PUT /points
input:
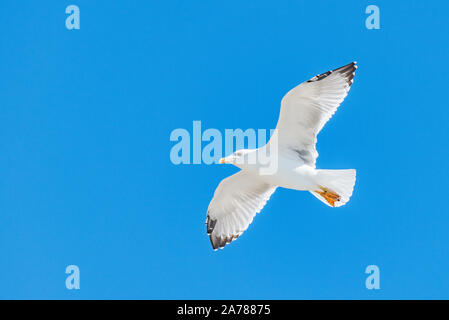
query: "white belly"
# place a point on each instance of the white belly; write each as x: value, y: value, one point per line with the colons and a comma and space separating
x: 289, y: 174
x: 300, y: 178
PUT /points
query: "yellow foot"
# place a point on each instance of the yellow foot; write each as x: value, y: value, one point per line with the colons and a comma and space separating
x: 330, y: 196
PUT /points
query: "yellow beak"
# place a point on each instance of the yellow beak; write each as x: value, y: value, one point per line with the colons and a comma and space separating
x: 222, y: 160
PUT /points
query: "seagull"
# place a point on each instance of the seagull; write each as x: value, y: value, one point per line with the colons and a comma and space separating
x: 304, y: 111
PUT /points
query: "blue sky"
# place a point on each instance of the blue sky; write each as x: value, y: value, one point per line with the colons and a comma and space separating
x: 86, y: 177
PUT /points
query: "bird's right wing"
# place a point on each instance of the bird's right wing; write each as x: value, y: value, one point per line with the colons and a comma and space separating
x: 306, y: 108
x: 236, y: 201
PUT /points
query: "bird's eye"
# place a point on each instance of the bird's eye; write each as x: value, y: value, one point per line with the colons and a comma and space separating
x: 238, y: 154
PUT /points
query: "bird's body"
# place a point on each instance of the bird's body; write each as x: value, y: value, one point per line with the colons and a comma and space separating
x: 290, y: 174
x: 287, y: 160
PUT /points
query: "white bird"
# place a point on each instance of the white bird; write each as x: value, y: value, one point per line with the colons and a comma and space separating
x: 304, y: 111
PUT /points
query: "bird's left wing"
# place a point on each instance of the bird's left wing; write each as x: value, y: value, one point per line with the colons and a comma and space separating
x: 306, y: 108
x: 236, y: 201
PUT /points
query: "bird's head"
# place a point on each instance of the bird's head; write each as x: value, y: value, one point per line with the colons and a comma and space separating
x: 238, y: 158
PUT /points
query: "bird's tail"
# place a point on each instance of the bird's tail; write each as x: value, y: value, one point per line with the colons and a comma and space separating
x: 334, y: 187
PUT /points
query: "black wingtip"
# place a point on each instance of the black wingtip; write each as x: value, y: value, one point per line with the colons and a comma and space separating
x: 210, y: 224
x: 347, y: 70
x: 214, y: 246
x: 221, y: 242
x: 349, y: 67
